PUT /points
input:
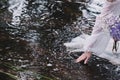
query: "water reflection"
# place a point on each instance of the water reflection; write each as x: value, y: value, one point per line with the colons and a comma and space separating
x: 17, y: 7
x: 32, y: 36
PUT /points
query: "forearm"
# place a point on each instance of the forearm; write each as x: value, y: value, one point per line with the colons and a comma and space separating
x: 99, y: 38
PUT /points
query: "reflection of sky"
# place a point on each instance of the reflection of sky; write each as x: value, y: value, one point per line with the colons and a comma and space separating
x: 17, y: 7
x: 99, y: 1
x: 94, y: 7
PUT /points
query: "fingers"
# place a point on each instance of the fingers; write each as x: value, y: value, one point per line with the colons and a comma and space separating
x: 85, y: 57
x: 86, y: 60
x: 81, y: 58
x: 78, y: 60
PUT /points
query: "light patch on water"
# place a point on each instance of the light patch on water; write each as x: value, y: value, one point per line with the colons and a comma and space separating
x: 27, y: 75
x: 32, y: 36
x: 95, y: 6
x: 117, y: 69
x: 16, y: 8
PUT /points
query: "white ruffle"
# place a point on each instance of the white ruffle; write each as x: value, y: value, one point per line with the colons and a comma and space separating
x: 99, y: 42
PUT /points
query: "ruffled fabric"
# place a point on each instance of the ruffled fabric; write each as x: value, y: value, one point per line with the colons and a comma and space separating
x: 109, y: 14
x: 100, y: 42
x: 97, y: 43
x: 100, y: 37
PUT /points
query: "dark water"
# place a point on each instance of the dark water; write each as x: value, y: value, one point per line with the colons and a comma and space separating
x: 32, y: 33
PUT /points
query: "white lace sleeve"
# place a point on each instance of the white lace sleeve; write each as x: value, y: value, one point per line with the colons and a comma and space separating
x: 98, y: 40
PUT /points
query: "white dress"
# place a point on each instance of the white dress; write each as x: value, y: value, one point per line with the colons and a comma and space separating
x: 100, y: 41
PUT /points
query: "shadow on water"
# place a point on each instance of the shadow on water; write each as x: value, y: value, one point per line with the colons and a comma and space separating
x: 35, y: 42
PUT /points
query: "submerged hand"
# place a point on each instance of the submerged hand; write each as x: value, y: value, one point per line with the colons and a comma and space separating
x: 84, y: 57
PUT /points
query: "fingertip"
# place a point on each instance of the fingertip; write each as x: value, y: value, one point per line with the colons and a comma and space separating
x: 85, y: 62
x: 76, y: 61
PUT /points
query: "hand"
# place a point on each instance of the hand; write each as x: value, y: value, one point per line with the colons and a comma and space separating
x: 84, y: 57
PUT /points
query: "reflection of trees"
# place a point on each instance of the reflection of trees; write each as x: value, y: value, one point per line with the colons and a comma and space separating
x: 50, y: 23
x: 49, y: 20
x: 50, y: 17
x: 46, y: 19
x: 53, y: 14
x: 3, y: 5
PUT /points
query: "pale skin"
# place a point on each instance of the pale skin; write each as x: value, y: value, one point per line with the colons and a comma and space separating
x: 86, y: 55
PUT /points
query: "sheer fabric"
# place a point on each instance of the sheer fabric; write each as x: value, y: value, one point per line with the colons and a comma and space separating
x: 100, y: 36
x: 100, y: 42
